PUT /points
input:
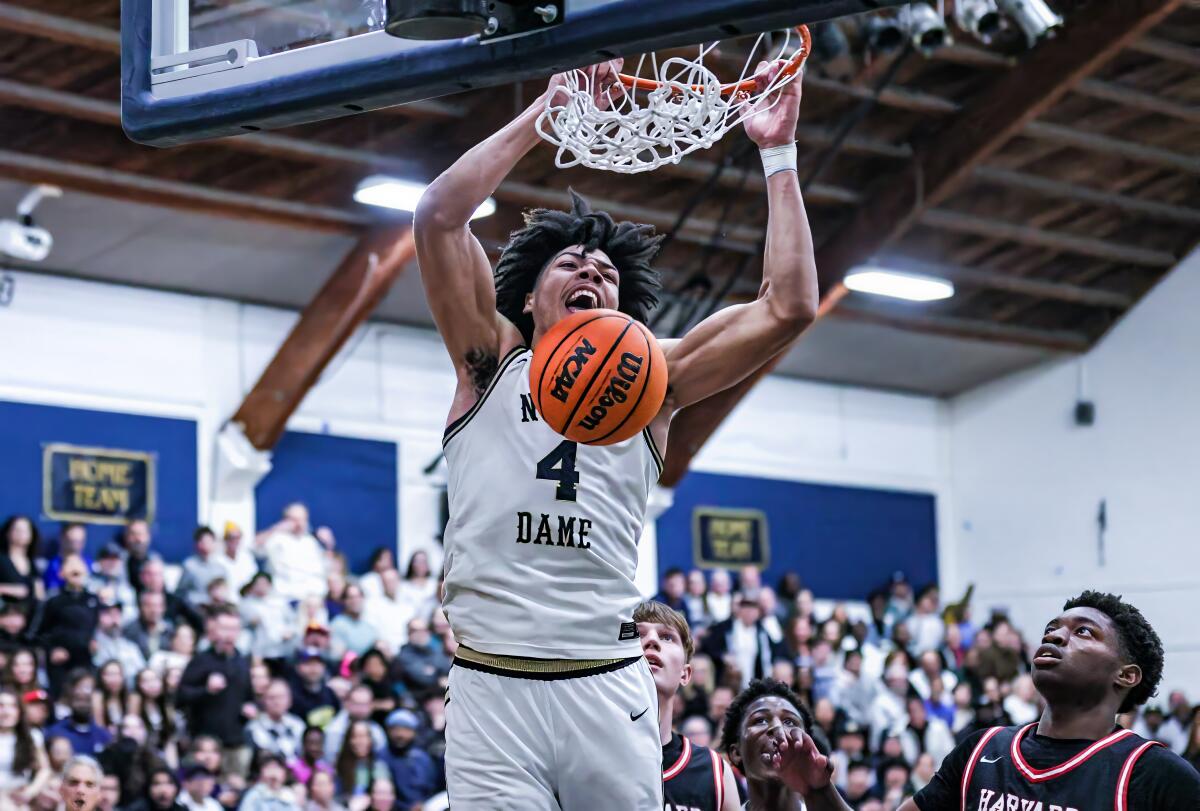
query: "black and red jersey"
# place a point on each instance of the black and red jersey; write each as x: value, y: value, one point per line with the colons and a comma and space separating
x: 693, y: 776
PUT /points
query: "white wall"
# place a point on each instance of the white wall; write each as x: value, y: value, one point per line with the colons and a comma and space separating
x: 111, y: 347
x: 1027, y: 482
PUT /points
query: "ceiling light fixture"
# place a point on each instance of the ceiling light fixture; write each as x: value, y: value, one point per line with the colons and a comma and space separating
x: 403, y: 195
x: 1034, y: 17
x: 898, y: 284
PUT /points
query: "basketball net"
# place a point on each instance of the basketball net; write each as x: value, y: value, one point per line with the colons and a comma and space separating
x: 681, y: 107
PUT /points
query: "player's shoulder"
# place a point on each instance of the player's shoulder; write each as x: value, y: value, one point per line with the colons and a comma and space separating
x: 1161, y: 759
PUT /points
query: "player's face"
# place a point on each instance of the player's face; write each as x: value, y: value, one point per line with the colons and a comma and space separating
x: 574, y: 280
x: 1080, y: 655
x: 767, y: 721
x: 664, y: 653
x: 81, y: 788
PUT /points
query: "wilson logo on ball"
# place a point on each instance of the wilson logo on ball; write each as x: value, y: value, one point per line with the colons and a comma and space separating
x: 598, y: 377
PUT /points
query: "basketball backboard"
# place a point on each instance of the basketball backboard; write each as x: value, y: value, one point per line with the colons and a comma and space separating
x: 197, y: 69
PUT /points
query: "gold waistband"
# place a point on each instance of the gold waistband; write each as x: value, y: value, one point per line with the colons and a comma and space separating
x: 522, y: 664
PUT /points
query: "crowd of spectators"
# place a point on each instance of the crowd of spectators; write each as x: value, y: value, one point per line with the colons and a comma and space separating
x: 894, y: 682
x: 260, y: 674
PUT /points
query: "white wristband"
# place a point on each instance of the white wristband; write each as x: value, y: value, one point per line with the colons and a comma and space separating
x: 777, y: 159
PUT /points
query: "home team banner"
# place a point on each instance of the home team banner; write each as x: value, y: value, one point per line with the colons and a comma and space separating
x: 97, y: 485
x: 726, y: 538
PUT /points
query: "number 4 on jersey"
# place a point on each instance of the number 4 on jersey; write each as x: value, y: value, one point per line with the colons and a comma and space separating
x: 559, y: 466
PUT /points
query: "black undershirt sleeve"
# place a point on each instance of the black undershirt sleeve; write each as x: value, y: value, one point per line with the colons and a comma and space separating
x: 1163, y: 781
x: 944, y: 792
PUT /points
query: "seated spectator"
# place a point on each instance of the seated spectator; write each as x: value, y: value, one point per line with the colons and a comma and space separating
x: 269, y: 617
x: 925, y: 625
x: 672, y: 592
x: 110, y: 793
x: 311, y: 757
x: 151, y: 631
x: 206, y: 751
x: 358, y: 707
x: 131, y: 759
x: 298, y: 560
x: 374, y: 671
x: 413, y: 772
x: 111, y: 697
x: 850, y: 745
x: 824, y: 670
x: 68, y: 622
x: 24, y: 768
x: 80, y: 727
x: 698, y: 730
x: 381, y: 796
x: 350, y: 631
x: 19, y: 548
x: 432, y: 735
x: 162, y: 793
x: 72, y: 541
x: 859, y: 781
x: 998, y: 656
x: 110, y: 643
x: 852, y: 691
x: 109, y: 583
x: 940, y: 703
x: 382, y: 559
x: 771, y: 620
x: 741, y: 643
x: 421, y: 666
x: 893, y: 784
x: 312, y: 699
x: 152, y: 703
x: 357, y: 763
x: 694, y: 596
x: 240, y: 563
x: 198, y: 786
x: 270, y: 791
x: 923, y: 771
x: 389, y: 613
x: 37, y: 708
x: 276, y: 730
x: 14, y: 626
x: 135, y: 542
x: 888, y: 711
x: 181, y: 647
x: 419, y: 586
x: 316, y: 638
x: 322, y: 790
x: 718, y: 603
x: 930, y: 666
x: 176, y: 610
x: 21, y: 672
x: 1023, y: 704
x: 924, y: 734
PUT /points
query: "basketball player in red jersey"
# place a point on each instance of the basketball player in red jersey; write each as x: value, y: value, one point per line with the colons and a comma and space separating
x: 552, y: 705
x: 1098, y: 658
x: 695, y: 778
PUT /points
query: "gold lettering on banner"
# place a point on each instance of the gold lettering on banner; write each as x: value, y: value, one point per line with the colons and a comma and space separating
x: 724, y: 537
x: 100, y: 486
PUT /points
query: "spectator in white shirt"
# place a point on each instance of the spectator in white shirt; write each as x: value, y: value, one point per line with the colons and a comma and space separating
x: 388, y: 613
x: 297, y: 559
x: 276, y: 730
x: 853, y: 691
x: 924, y: 733
x: 240, y: 563
x: 358, y: 706
x: 718, y: 603
x: 930, y: 666
x: 269, y: 617
x: 382, y: 559
x: 1022, y: 703
x: 419, y: 586
x: 888, y: 712
x: 925, y: 624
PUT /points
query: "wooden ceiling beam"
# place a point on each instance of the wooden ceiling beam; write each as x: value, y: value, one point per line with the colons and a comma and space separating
x: 173, y: 194
x: 1108, y: 145
x: 1167, y: 50
x: 943, y: 162
x: 346, y: 301
x: 1138, y: 99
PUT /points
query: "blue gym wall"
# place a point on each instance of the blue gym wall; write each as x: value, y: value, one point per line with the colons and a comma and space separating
x: 844, y: 541
x: 347, y: 484
x: 26, y: 427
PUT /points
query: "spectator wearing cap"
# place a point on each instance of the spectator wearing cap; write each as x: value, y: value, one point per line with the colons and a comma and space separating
x: 349, y: 631
x: 741, y: 643
x: 201, y: 567
x: 37, y: 706
x: 72, y: 541
x: 198, y: 786
x: 68, y: 623
x: 240, y: 563
x: 269, y: 617
x: 275, y: 729
x: 312, y: 698
x: 413, y: 771
x: 298, y: 559
x: 316, y: 637
x: 108, y: 579
x: 111, y: 645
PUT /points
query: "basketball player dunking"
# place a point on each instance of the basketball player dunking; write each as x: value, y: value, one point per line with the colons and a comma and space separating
x: 552, y: 705
x: 695, y: 778
x: 1098, y: 658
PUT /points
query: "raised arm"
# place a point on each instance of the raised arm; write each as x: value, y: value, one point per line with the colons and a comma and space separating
x: 454, y: 268
x: 731, y: 344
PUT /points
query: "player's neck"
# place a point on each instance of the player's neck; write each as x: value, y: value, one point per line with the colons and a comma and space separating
x: 773, y: 796
x: 1067, y: 721
x: 665, y: 706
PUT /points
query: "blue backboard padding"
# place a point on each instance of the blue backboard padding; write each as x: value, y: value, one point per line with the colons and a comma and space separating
x: 843, y: 541
x: 26, y: 427
x: 348, y: 484
x: 437, y: 69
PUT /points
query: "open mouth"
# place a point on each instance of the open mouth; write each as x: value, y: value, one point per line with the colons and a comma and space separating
x: 583, y: 299
x: 653, y: 660
x: 1047, y: 655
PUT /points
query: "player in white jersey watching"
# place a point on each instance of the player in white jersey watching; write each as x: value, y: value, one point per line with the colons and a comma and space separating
x: 552, y: 706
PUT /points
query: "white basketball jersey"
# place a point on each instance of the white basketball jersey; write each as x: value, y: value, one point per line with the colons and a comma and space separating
x: 541, y: 545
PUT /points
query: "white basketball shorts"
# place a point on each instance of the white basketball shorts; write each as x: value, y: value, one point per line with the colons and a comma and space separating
x: 559, y: 742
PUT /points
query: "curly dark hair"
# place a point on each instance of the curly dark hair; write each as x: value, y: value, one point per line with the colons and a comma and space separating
x: 731, y: 729
x: 631, y: 247
x: 1138, y: 642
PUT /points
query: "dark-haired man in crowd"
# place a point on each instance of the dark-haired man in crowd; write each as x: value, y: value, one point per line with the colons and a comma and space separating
x: 80, y: 728
x: 215, y: 689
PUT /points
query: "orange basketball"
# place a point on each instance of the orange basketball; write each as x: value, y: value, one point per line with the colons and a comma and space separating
x: 598, y: 377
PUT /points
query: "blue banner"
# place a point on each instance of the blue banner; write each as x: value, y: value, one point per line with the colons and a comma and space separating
x: 729, y: 539
x: 97, y: 485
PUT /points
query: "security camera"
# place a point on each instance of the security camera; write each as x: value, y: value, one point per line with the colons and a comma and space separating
x: 26, y: 242
x: 21, y: 238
